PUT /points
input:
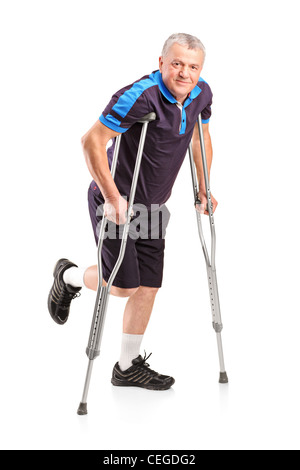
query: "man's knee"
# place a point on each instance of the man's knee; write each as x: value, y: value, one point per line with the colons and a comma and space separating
x: 148, y: 291
x: 144, y: 291
x: 120, y: 292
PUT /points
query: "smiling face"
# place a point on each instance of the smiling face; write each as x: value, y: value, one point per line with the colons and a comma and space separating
x: 181, y: 69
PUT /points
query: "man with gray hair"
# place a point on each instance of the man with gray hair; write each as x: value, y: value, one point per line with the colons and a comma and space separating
x: 177, y: 95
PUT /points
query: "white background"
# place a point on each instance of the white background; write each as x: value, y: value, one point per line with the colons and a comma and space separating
x: 61, y: 61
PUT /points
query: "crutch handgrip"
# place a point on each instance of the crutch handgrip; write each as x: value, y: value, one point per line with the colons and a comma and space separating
x: 198, y: 202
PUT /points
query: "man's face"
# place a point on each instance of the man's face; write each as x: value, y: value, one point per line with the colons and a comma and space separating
x: 181, y: 70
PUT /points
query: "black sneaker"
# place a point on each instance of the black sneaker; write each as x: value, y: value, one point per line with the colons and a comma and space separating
x: 61, y: 294
x: 140, y: 375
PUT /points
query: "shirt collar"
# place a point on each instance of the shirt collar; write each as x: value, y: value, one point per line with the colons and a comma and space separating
x: 164, y: 90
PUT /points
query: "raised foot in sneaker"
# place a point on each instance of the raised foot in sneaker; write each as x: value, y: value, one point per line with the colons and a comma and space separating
x: 61, y: 294
x: 140, y: 375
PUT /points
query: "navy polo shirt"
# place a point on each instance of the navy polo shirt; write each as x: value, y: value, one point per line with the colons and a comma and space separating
x: 167, y: 139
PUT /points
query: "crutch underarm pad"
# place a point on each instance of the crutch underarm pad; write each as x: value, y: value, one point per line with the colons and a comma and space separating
x: 148, y: 118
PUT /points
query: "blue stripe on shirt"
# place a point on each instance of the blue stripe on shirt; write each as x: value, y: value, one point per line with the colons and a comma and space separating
x: 127, y: 100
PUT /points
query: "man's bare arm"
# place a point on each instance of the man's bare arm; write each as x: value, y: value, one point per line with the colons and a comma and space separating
x: 198, y: 162
x: 94, y: 148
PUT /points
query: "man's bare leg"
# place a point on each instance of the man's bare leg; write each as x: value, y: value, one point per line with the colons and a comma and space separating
x: 136, y: 315
x: 139, y: 305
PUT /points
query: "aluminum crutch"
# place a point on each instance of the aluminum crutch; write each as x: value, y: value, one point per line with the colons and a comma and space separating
x: 210, y: 263
x: 93, y: 348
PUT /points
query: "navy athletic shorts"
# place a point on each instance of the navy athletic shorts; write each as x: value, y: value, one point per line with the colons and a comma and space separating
x: 144, y: 256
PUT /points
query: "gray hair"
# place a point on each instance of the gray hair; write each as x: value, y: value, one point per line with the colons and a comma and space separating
x: 183, y: 40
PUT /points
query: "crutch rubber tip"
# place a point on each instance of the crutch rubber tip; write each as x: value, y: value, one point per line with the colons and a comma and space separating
x: 82, y: 410
x: 223, y: 378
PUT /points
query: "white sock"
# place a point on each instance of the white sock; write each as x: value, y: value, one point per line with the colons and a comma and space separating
x: 130, y: 349
x: 74, y: 276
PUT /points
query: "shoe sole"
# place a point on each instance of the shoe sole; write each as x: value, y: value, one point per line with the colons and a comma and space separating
x: 118, y: 383
x: 54, y: 318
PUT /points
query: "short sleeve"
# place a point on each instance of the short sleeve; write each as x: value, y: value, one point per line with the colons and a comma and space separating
x: 206, y: 112
x: 127, y: 106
